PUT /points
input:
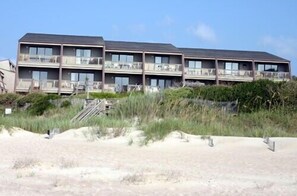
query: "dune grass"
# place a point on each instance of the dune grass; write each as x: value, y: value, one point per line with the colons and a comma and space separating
x: 159, y: 114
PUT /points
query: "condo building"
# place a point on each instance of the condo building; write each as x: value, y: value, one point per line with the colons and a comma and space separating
x: 65, y: 64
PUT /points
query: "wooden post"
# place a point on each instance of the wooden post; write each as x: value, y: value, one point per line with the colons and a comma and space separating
x: 183, y: 70
x: 60, y: 68
x: 217, y: 71
x: 103, y: 68
x: 143, y: 71
x: 254, y: 70
x: 16, y: 79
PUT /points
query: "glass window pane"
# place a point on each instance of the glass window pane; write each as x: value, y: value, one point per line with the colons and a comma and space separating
x: 43, y: 75
x: 158, y: 59
x: 74, y: 77
x: 198, y: 65
x: 129, y: 58
x: 82, y: 77
x: 123, y: 58
x: 48, y: 51
x: 114, y: 58
x: 260, y: 67
x: 168, y: 83
x: 40, y: 51
x: 86, y: 53
x: 32, y: 51
x: 234, y: 66
x: 78, y: 52
x: 228, y: 66
x: 90, y: 77
x: 267, y: 67
x: 125, y: 81
x: 274, y: 67
x: 191, y: 64
x: 162, y: 83
x: 35, y: 75
x: 154, y: 82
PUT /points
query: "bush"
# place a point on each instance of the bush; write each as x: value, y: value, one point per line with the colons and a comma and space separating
x: 9, y: 98
x: 65, y: 104
x: 260, y: 94
x: 214, y: 93
x: 40, y: 105
x: 30, y: 98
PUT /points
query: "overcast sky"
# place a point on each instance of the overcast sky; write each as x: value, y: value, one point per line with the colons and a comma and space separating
x: 260, y: 25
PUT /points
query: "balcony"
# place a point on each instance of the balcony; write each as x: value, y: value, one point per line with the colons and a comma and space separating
x: 200, y: 73
x: 163, y: 69
x: 276, y: 76
x: 236, y: 75
x: 68, y: 86
x: 82, y: 62
x: 28, y: 85
x: 123, y: 67
x: 40, y: 60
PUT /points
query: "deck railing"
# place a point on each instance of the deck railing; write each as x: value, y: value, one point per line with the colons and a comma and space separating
x: 273, y: 75
x: 73, y: 60
x: 123, y: 65
x: 81, y: 85
x: 236, y: 73
x: 39, y: 58
x: 163, y: 67
x: 200, y: 72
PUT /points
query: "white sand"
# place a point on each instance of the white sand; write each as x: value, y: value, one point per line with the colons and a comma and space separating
x: 76, y: 163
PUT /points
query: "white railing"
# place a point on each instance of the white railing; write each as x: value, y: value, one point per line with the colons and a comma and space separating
x: 163, y: 67
x: 200, y: 72
x: 39, y: 58
x: 73, y: 60
x: 38, y: 84
x: 273, y: 75
x: 236, y: 73
x: 123, y: 65
x: 72, y: 85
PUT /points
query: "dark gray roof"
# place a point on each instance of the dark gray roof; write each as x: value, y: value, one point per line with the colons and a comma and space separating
x: 141, y: 46
x: 230, y: 54
x: 62, y: 39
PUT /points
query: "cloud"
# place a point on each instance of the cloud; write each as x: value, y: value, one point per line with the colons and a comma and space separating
x: 204, y: 32
x: 285, y: 46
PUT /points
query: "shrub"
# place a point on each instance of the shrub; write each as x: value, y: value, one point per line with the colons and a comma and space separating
x: 8, y: 98
x: 260, y: 94
x: 40, y: 106
x: 65, y: 104
x: 29, y: 98
x: 213, y: 93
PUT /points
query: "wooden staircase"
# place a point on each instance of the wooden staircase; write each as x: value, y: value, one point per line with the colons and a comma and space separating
x: 95, y: 107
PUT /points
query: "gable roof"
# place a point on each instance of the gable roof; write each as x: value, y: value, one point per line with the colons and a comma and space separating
x: 141, y: 47
x: 230, y: 54
x: 62, y: 39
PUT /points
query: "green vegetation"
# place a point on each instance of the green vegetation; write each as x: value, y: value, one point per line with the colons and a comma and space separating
x: 265, y: 108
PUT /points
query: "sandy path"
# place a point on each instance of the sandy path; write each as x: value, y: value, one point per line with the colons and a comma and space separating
x: 69, y: 164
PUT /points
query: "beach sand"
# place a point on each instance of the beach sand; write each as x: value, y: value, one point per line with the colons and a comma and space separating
x: 75, y: 162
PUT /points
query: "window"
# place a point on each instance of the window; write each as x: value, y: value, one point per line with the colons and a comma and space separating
x: 161, y: 59
x: 40, y: 54
x: 267, y: 67
x: 161, y: 83
x: 231, y: 68
x: 83, y: 56
x: 39, y: 75
x: 195, y: 64
x: 82, y: 77
x: 122, y: 58
x: 40, y: 51
x: 121, y: 83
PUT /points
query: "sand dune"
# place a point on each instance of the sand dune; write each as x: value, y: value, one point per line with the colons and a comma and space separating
x: 76, y: 162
